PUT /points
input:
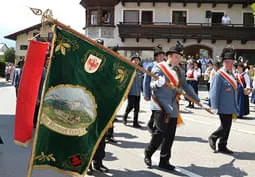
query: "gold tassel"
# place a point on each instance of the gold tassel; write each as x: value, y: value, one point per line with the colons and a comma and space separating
x: 234, y: 116
x: 179, y: 119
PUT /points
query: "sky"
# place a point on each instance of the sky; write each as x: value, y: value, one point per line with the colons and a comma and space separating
x: 15, y: 15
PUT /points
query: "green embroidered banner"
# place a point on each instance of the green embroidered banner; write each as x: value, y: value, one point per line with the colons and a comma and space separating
x: 85, y: 85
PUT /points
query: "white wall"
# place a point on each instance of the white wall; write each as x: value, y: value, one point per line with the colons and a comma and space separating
x: 162, y: 13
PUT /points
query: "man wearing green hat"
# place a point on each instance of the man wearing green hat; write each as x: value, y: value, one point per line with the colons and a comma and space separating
x: 223, y: 100
x: 134, y: 94
x: 159, y: 56
x: 165, y: 104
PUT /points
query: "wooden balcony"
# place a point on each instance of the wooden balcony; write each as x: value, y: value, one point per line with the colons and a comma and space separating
x: 198, y: 31
x: 245, y: 3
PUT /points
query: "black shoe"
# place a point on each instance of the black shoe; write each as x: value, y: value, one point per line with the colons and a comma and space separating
x: 136, y: 125
x: 166, y: 166
x: 125, y: 121
x: 90, y: 171
x: 225, y: 150
x: 212, y: 143
x: 110, y: 140
x: 101, y: 168
x: 147, y: 159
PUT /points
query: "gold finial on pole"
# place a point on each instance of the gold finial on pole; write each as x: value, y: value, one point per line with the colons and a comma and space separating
x: 36, y: 11
x: 46, y: 17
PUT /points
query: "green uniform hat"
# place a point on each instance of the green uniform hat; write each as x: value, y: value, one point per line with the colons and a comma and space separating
x: 134, y: 57
x: 158, y: 50
x: 178, y: 49
x: 228, y: 53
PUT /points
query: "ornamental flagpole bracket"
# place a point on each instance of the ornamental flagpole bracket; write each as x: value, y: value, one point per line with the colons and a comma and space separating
x: 46, y: 18
x: 47, y: 15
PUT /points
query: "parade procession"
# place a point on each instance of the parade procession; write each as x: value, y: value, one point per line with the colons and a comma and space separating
x: 148, y: 88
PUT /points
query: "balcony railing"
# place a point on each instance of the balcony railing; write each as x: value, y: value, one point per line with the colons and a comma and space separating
x: 192, y: 1
x: 199, y: 31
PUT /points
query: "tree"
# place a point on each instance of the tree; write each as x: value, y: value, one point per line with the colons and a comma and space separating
x: 9, y: 55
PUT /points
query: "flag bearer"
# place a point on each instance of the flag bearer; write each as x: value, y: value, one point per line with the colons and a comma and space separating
x: 100, y: 152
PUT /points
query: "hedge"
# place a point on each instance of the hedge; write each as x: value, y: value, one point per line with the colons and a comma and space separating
x: 2, y: 68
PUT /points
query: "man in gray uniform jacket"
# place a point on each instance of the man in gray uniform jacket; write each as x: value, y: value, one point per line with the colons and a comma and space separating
x: 223, y: 100
x: 134, y: 94
x: 165, y: 105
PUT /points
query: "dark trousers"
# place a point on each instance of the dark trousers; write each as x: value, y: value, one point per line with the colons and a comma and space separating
x: 222, y: 133
x: 194, y: 85
x: 100, y: 153
x: 151, y: 122
x: 109, y: 133
x: 8, y: 76
x: 133, y: 102
x: 16, y: 89
x: 208, y: 86
x: 164, y: 134
x: 36, y: 114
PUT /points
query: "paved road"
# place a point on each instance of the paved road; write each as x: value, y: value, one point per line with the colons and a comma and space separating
x: 191, y: 153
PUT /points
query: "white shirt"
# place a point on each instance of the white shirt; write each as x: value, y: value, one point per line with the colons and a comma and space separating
x: 246, y: 79
x: 225, y: 20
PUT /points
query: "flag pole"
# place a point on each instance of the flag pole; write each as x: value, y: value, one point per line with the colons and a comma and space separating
x: 82, y: 36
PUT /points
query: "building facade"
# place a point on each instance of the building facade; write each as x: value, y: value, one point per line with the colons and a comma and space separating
x: 22, y: 38
x: 3, y: 48
x: 136, y: 26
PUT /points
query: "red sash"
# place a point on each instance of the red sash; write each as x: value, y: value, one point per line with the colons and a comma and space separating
x: 172, y: 76
x: 229, y: 79
x: 169, y: 73
x: 240, y: 79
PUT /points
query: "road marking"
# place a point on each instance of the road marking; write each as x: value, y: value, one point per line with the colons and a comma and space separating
x: 209, y: 123
x: 243, y: 131
x: 186, y: 172
x: 198, y: 121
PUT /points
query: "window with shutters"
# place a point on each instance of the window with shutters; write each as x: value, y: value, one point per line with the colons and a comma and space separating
x: 248, y: 19
x: 179, y: 17
x: 131, y: 16
x: 147, y: 17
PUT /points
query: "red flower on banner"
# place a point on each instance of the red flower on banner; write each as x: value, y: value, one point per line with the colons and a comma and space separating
x: 76, y: 160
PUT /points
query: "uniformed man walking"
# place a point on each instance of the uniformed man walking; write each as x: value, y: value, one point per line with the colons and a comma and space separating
x: 223, y: 100
x: 159, y: 55
x: 134, y: 95
x: 165, y: 104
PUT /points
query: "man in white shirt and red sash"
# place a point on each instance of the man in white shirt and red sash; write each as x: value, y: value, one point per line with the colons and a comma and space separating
x: 165, y: 105
x: 223, y: 99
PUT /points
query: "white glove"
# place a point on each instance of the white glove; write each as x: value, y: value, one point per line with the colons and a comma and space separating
x: 161, y: 81
x: 215, y: 111
x: 204, y: 106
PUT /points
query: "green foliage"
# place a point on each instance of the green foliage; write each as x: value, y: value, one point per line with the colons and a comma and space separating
x: 2, y: 69
x: 9, y: 55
